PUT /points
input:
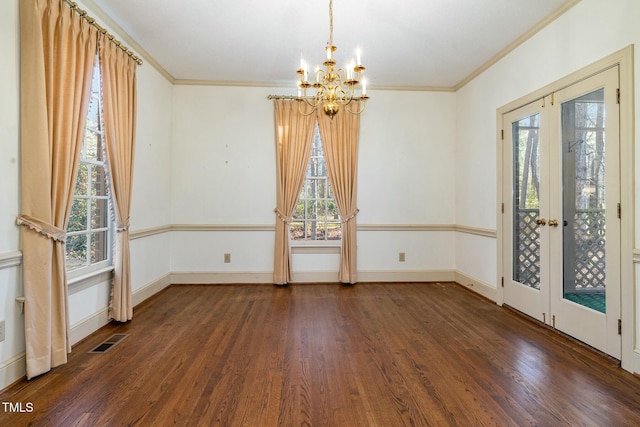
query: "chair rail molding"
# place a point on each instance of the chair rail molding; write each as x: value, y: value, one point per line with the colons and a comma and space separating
x: 10, y: 259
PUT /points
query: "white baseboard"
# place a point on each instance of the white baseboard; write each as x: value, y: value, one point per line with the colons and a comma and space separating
x: 315, y: 277
x: 221, y: 278
x: 477, y: 286
x: 406, y: 276
x: 12, y: 370
x: 201, y: 277
x: 89, y: 325
x: 150, y: 289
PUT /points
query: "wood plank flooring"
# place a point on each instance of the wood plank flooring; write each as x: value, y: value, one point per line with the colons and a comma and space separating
x: 329, y: 355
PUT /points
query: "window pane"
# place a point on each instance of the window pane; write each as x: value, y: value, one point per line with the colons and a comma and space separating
x: 526, y: 203
x: 322, y: 188
x: 93, y: 116
x: 78, y: 216
x: 308, y: 189
x: 320, y: 231
x: 90, y: 145
x: 98, y: 246
x: 82, y: 181
x: 99, y: 213
x: 98, y: 181
x: 310, y: 208
x: 90, y: 212
x: 316, y: 205
x: 296, y: 229
x: 76, y: 251
x: 321, y: 211
x: 334, y: 231
x: 298, y: 213
x: 332, y: 210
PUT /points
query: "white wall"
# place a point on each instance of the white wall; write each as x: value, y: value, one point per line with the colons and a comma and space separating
x: 589, y: 32
x: 406, y: 176
x: 223, y: 172
x: 150, y: 205
x: 10, y: 285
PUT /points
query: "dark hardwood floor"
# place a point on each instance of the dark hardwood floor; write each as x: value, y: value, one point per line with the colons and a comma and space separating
x: 329, y: 355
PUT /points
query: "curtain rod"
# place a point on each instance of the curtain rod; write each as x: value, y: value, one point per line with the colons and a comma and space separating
x: 83, y: 13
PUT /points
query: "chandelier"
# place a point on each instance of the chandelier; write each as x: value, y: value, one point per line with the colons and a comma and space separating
x: 333, y: 88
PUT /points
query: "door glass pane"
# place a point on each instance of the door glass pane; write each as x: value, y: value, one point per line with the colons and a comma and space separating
x: 583, y: 200
x: 526, y: 201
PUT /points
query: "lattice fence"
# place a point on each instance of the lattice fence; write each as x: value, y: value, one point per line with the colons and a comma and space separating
x: 589, y: 229
x: 526, y: 269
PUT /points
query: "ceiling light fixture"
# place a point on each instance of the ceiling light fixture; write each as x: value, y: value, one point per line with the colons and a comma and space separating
x: 333, y: 88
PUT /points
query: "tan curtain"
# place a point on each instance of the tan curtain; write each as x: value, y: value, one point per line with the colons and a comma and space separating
x: 119, y: 105
x: 340, y: 141
x: 57, y: 54
x: 294, y: 133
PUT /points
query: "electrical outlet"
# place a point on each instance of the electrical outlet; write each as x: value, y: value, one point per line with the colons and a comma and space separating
x: 2, y: 331
x: 227, y: 258
x: 401, y: 257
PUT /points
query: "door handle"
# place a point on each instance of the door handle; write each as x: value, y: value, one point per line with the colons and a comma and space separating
x: 553, y: 223
x: 541, y: 221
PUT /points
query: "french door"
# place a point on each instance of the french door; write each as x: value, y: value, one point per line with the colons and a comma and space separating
x: 561, y: 226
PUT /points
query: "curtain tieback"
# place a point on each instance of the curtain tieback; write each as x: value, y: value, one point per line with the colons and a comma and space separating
x: 123, y: 226
x: 282, y: 216
x: 49, y: 230
x: 351, y: 216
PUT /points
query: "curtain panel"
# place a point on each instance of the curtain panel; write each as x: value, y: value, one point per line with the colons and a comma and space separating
x: 340, y: 137
x: 57, y: 54
x: 119, y: 106
x: 294, y: 134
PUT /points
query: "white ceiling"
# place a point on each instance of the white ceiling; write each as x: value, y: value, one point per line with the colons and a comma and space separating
x: 405, y: 43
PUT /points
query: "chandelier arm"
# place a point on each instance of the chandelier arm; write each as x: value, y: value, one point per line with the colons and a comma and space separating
x: 345, y: 96
x: 363, y: 103
x: 342, y: 96
x: 313, y: 110
x: 345, y: 76
x: 320, y: 75
x: 315, y: 104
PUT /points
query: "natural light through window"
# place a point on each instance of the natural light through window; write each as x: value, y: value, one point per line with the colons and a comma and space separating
x: 316, y: 217
x: 89, y: 230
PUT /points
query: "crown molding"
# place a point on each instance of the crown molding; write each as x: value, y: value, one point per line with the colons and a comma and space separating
x: 291, y: 85
x: 106, y: 20
x: 516, y: 43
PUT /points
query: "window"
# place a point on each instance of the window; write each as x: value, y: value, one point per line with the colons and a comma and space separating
x: 316, y: 217
x: 89, y: 230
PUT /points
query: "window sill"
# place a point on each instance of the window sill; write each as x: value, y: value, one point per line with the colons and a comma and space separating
x: 84, y: 281
x: 324, y: 247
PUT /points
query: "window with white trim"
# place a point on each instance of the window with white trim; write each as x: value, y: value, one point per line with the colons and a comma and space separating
x: 316, y: 217
x: 89, y: 232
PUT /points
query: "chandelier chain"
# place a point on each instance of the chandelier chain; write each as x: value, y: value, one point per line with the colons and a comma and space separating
x: 330, y: 23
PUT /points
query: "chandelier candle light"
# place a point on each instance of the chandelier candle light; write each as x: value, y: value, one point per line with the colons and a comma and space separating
x: 332, y: 87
